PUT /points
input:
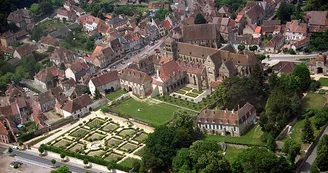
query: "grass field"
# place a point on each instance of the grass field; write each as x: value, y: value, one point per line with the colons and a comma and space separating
x: 153, y: 114
x: 315, y: 100
x: 196, y: 91
x: 114, y: 95
x: 252, y: 137
x: 232, y: 153
x: 186, y: 88
x: 180, y: 91
x: 323, y: 81
x: 128, y: 162
x: 296, y: 134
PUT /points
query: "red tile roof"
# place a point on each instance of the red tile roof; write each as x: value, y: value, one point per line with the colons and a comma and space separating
x: 77, y: 103
x: 104, y: 78
x: 3, y: 130
x: 169, y: 70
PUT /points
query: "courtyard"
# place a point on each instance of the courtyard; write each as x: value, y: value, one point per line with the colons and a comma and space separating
x: 101, y: 137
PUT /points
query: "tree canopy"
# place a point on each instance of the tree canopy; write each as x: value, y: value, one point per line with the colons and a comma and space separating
x: 257, y: 159
x: 199, y: 19
x: 62, y: 169
x: 285, y: 11
x: 161, y: 14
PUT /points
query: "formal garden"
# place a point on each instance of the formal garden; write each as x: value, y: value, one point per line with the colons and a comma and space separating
x: 101, y: 141
x: 190, y: 94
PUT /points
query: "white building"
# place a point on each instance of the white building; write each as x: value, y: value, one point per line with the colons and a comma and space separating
x: 104, y: 83
x: 77, y: 107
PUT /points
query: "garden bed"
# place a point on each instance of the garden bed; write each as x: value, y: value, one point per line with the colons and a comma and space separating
x: 193, y: 95
x: 126, y: 132
x: 95, y: 137
x: 186, y: 88
x: 110, y: 127
x: 114, y: 142
x: 113, y: 157
x: 80, y: 132
x: 76, y: 147
x: 128, y: 147
x: 141, y: 138
x: 180, y: 92
x: 62, y: 143
x: 95, y: 123
x: 96, y: 153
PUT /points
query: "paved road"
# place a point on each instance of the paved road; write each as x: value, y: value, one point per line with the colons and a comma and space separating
x: 309, y: 161
x: 42, y: 161
x: 275, y: 58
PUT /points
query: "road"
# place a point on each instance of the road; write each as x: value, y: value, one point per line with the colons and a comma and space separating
x: 309, y: 161
x: 275, y: 58
x: 128, y: 59
x: 45, y: 162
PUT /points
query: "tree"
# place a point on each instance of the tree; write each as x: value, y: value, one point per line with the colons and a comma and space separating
x: 36, y: 33
x: 10, y: 150
x: 62, y: 155
x: 241, y: 47
x: 53, y: 161
x: 302, y: 72
x: 292, y: 52
x: 257, y: 159
x: 69, y: 37
x: 62, y: 169
x: 161, y: 14
x: 104, y: 108
x: 46, y: 8
x: 199, y: 19
x: 260, y: 56
x: 62, y: 66
x: 35, y: 8
x: 97, y: 95
x: 85, y: 161
x: 322, y: 161
x: 292, y: 149
x: 253, y: 48
x: 41, y: 149
x: 307, y: 131
x: 285, y: 11
x: 181, y: 160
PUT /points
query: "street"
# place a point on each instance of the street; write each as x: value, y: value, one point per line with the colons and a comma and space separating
x: 45, y: 162
x: 276, y: 58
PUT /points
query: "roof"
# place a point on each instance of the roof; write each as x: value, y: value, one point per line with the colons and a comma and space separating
x: 19, y: 15
x: 274, y: 42
x: 134, y: 76
x: 26, y: 49
x: 169, y: 70
x: 318, y: 18
x: 105, y: 78
x: 306, y: 40
x: 247, y: 39
x: 6, y: 50
x: 102, y: 51
x: 77, y: 103
x: 190, y: 67
x: 46, y: 97
x: 224, y: 10
x: 64, y: 56
x: 195, y: 50
x: 284, y: 67
x: 199, y: 32
x: 271, y: 22
x: 49, y: 40
x: 3, y: 130
x: 295, y: 26
x: 48, y: 74
x: 254, y: 12
x: 79, y: 66
x: 88, y: 18
x: 156, y: 5
x: 224, y: 117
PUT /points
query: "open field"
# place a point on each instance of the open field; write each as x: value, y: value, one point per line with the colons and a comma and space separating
x: 315, y: 100
x: 252, y: 137
x: 154, y: 114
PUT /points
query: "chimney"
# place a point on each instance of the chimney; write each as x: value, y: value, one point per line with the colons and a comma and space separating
x: 238, y: 107
x: 233, y: 111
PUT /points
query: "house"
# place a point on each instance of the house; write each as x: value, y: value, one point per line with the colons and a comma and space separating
x: 295, y: 31
x: 63, y: 56
x: 104, y: 83
x: 249, y: 29
x: 275, y: 44
x: 227, y: 122
x: 202, y: 35
x: 300, y: 45
x: 285, y: 67
x: 76, y: 91
x: 102, y: 56
x: 136, y: 81
x: 227, y: 27
x: 319, y: 65
x: 7, y: 39
x: 48, y: 78
x: 67, y: 84
x: 7, y: 52
x: 21, y: 18
x: 224, y: 12
x: 24, y: 50
x: 47, y: 41
x: 77, y: 70
x: 133, y: 41
x: 88, y: 22
x: 64, y: 14
x: 254, y: 13
x: 117, y: 22
x: 21, y: 34
x: 4, y: 134
x: 46, y: 101
x: 117, y: 48
x: 247, y: 40
x: 77, y: 107
x: 155, y: 6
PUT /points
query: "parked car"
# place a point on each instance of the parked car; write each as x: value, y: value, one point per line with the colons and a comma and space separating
x: 157, y: 51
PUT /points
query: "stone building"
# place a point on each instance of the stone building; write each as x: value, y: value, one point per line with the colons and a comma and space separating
x: 136, y: 81
x: 319, y: 65
x: 225, y: 122
x: 21, y: 17
x: 202, y: 34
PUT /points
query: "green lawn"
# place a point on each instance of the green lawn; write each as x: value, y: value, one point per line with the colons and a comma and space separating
x: 252, y: 137
x: 232, y: 153
x: 114, y: 95
x: 180, y: 91
x: 315, y: 100
x: 51, y: 24
x: 140, y: 152
x: 129, y: 162
x: 323, y: 81
x: 186, y: 88
x: 296, y: 134
x: 196, y: 91
x: 153, y: 114
x: 192, y: 95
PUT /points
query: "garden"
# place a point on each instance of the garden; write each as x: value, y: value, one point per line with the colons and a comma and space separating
x: 187, y: 91
x: 116, y: 94
x: 100, y: 140
x: 323, y: 81
x: 315, y: 100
